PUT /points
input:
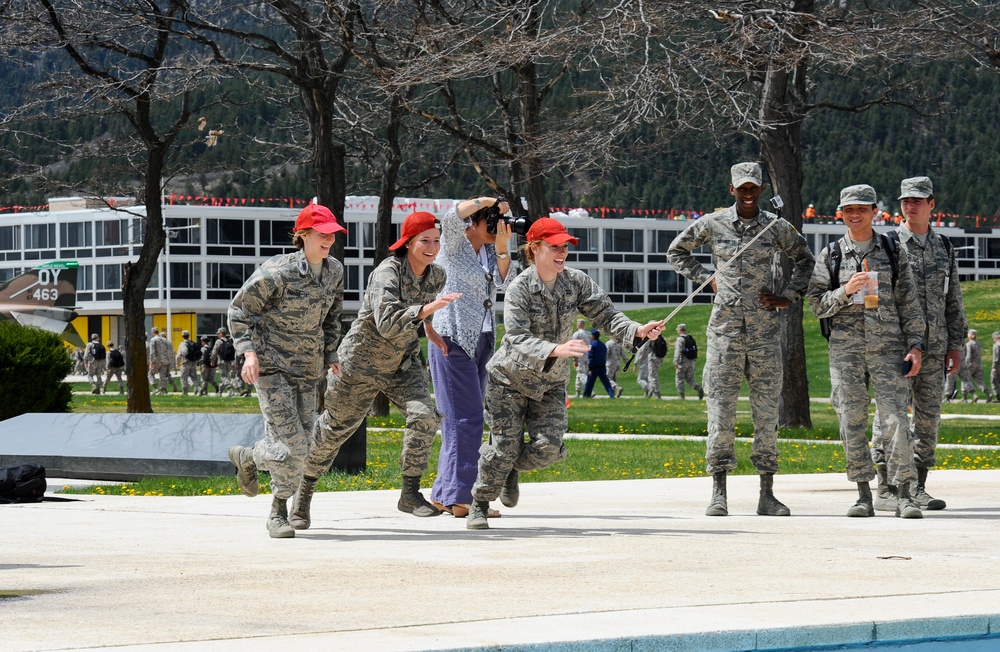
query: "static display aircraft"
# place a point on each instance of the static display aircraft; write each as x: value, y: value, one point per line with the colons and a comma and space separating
x: 44, y: 297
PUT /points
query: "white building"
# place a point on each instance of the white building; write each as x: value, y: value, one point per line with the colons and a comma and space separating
x: 213, y: 249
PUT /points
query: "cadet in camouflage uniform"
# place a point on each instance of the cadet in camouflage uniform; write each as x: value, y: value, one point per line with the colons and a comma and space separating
x: 528, y: 374
x: 161, y: 360
x: 615, y: 355
x: 744, y: 330
x: 226, y: 368
x: 642, y: 356
x: 207, y: 368
x: 188, y: 366
x: 96, y: 363
x: 935, y: 273
x: 871, y: 342
x: 972, y: 370
x: 582, y: 369
x: 115, y: 371
x: 286, y: 322
x: 684, y: 367
x: 381, y: 353
x: 995, y: 371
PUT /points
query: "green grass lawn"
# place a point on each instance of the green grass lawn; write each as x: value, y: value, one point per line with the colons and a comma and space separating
x: 604, y: 460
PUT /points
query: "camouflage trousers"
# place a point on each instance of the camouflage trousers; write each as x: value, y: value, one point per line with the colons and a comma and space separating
x: 348, y: 400
x: 95, y: 373
x: 289, y: 407
x: 972, y: 379
x: 650, y: 381
x: 208, y: 378
x: 582, y: 370
x: 925, y: 397
x: 686, y: 375
x: 115, y: 372
x: 189, y: 375
x: 729, y: 360
x: 995, y: 381
x: 509, y: 413
x: 162, y: 371
x: 226, y: 375
x: 850, y: 372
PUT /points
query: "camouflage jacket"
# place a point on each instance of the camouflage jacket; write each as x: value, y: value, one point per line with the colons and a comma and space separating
x: 160, y: 351
x: 935, y: 272
x: 737, y: 310
x: 537, y: 320
x: 894, y: 327
x: 972, y: 355
x: 288, y: 316
x: 383, y: 339
x: 615, y: 355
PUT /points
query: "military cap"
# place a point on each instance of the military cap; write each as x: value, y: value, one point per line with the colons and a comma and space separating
x: 185, y: 333
x: 973, y: 331
x: 996, y: 334
x: 747, y: 173
x: 920, y: 187
x: 682, y: 327
x: 95, y: 336
x: 222, y: 329
x: 859, y: 195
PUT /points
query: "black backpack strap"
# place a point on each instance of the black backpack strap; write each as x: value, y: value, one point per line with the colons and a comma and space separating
x: 890, y: 242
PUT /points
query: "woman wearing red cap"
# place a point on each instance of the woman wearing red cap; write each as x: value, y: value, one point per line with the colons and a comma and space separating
x: 285, y: 321
x: 380, y: 353
x: 528, y: 373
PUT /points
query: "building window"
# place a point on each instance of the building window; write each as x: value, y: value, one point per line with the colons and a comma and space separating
x: 663, y: 281
x: 230, y: 232
x: 587, y: 238
x: 74, y: 235
x: 112, y: 233
x: 7, y: 274
x: 40, y: 236
x: 109, y: 277
x: 84, y: 278
x: 183, y: 232
x: 185, y: 275
x: 623, y: 240
x: 10, y: 238
x: 229, y: 276
x: 625, y: 281
x: 276, y: 233
x: 662, y: 239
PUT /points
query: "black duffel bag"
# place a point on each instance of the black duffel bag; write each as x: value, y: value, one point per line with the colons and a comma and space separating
x: 22, y: 483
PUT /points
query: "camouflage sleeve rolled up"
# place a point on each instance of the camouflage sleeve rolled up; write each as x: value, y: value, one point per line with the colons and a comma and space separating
x: 389, y: 295
x: 680, y: 253
x: 793, y: 245
x: 595, y: 304
x: 911, y: 313
x: 679, y: 350
x: 823, y: 301
x: 955, y: 308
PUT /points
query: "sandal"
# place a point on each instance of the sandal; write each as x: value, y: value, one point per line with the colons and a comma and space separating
x: 443, y: 508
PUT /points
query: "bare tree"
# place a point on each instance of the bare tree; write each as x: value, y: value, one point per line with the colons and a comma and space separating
x: 113, y: 61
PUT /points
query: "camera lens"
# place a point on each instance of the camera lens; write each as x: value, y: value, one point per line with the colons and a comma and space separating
x: 521, y: 225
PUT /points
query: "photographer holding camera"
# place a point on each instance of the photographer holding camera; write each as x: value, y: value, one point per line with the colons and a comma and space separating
x: 474, y: 252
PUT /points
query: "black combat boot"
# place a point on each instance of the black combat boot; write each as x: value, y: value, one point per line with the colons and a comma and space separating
x: 862, y: 508
x: 277, y: 520
x: 920, y: 495
x: 511, y: 491
x: 299, y: 519
x: 718, y: 506
x: 768, y: 505
x: 412, y: 501
x: 905, y: 506
x: 885, y: 493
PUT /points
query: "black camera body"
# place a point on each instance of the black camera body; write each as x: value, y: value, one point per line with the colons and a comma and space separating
x: 519, y: 226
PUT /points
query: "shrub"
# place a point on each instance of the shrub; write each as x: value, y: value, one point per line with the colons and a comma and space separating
x: 33, y: 365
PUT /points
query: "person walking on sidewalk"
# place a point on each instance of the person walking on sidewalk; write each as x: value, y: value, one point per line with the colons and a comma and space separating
x: 935, y: 275
x: 381, y: 353
x: 685, y: 354
x: 864, y: 285
x: 972, y: 370
x: 526, y: 389
x: 286, y: 323
x: 744, y: 330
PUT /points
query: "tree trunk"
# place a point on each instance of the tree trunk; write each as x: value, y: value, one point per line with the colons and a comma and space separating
x: 328, y: 157
x: 531, y: 163
x: 135, y: 280
x: 781, y: 147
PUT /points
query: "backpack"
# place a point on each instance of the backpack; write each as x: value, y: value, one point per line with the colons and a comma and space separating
x: 690, y: 348
x: 228, y: 351
x: 659, y: 347
x: 889, y: 242
x: 115, y: 358
x: 206, y: 356
x: 193, y: 352
x: 22, y: 483
x: 99, y: 352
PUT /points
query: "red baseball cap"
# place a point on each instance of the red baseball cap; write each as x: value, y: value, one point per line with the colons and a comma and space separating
x: 551, y: 231
x: 318, y: 218
x: 414, y: 224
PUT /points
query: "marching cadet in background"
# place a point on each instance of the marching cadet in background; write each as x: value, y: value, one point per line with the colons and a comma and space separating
x: 381, y: 353
x: 161, y: 360
x: 685, y: 353
x: 995, y: 371
x: 286, y: 323
x: 580, y: 364
x: 526, y: 389
x: 188, y: 355
x: 935, y: 275
x: 972, y: 370
x: 876, y: 331
x: 744, y: 330
x: 95, y: 359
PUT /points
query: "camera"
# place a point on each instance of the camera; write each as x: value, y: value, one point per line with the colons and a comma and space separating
x: 493, y: 216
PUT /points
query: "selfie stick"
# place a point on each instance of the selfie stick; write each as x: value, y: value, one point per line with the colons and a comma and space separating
x: 778, y: 205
